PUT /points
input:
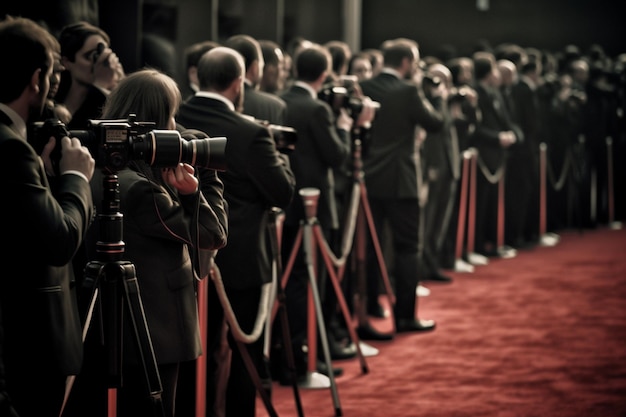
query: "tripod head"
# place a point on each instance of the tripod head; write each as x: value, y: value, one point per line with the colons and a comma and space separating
x: 110, y: 245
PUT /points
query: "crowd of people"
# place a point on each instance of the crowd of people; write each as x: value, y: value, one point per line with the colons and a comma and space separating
x: 395, y: 122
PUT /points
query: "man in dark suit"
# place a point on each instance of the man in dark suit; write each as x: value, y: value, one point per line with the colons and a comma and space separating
x: 41, y: 330
x: 256, y: 103
x: 391, y: 170
x: 442, y: 170
x: 323, y: 144
x: 274, y: 74
x: 258, y: 178
x: 494, y: 134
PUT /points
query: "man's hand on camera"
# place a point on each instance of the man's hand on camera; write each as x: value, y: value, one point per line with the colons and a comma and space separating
x: 74, y: 157
x: 182, y: 178
x: 367, y: 113
x: 344, y: 121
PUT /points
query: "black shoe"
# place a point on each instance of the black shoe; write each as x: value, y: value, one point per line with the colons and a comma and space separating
x: 367, y: 332
x: 377, y: 311
x: 406, y: 325
x: 438, y: 277
x: 339, y: 351
x: 323, y: 369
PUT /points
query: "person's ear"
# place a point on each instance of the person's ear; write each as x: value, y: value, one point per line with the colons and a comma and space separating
x: 236, y: 85
x: 254, y: 70
x: 35, y: 79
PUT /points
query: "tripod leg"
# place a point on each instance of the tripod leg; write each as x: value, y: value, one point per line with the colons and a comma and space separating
x: 134, y: 304
x: 340, y: 298
x: 279, y: 303
x: 365, y: 208
x: 93, y: 272
x: 254, y: 375
x: 308, y: 250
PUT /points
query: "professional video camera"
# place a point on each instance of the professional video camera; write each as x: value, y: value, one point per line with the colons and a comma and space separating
x: 285, y: 137
x: 113, y: 143
x: 344, y: 93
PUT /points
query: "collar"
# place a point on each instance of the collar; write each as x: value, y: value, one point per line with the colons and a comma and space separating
x: 391, y: 71
x: 216, y: 96
x: 307, y: 87
x: 17, y: 123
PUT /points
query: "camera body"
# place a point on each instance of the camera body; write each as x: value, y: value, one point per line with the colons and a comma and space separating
x: 285, y: 138
x: 343, y: 93
x: 114, y: 143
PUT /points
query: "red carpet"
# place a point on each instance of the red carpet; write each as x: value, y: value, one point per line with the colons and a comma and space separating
x: 541, y: 334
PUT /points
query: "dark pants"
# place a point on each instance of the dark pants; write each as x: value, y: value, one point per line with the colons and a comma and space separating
x: 403, y: 217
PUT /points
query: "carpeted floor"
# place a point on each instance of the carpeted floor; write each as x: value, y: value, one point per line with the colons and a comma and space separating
x: 541, y: 334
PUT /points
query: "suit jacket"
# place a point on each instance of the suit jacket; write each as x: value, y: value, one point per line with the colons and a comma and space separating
x: 440, y: 150
x: 494, y: 119
x: 264, y: 106
x: 390, y: 163
x: 257, y: 178
x: 41, y: 325
x: 160, y: 228
x: 320, y: 148
x: 527, y: 118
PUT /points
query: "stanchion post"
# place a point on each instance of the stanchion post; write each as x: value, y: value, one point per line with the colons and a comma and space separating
x: 201, y: 360
x: 615, y: 225
x: 472, y: 257
x: 545, y: 238
x: 462, y: 216
x: 504, y: 251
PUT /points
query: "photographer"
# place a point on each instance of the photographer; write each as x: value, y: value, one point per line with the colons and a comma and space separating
x: 391, y: 170
x: 323, y: 145
x: 168, y: 216
x: 258, y: 178
x: 40, y: 335
x: 259, y: 104
x: 92, y: 71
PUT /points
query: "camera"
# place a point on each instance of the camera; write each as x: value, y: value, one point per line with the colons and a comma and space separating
x: 285, y: 138
x: 114, y: 143
x: 457, y: 95
x: 344, y: 93
x: 430, y: 80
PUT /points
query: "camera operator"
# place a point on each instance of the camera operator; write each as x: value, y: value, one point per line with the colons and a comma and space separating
x: 442, y: 169
x: 323, y: 146
x: 40, y: 335
x: 391, y: 170
x: 342, y: 91
x: 258, y: 178
x: 168, y: 216
x: 256, y: 103
x: 92, y: 71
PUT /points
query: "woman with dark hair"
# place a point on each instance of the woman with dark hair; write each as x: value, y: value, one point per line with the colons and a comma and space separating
x: 168, y: 217
x: 92, y: 70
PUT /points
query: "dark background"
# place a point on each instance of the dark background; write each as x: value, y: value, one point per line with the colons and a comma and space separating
x: 138, y: 27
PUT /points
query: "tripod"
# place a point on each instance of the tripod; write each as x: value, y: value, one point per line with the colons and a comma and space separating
x: 280, y: 297
x: 112, y: 282
x: 364, y: 221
